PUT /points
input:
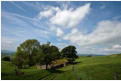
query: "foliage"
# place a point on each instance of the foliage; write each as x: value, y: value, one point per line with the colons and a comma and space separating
x: 26, y: 53
x: 69, y: 52
x: 50, y: 53
x: 30, y: 52
x: 6, y: 58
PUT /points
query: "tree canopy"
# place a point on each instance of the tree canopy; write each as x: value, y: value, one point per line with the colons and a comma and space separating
x: 30, y: 52
x: 69, y: 52
x: 50, y: 53
x: 26, y: 53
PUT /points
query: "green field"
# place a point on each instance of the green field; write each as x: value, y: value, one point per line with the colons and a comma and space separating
x: 93, y: 68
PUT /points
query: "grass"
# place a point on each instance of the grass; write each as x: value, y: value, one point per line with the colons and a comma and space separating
x: 7, y: 72
x: 93, y: 68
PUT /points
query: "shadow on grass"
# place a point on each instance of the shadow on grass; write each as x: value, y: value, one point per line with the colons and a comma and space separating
x: 55, y: 71
x: 77, y: 62
x: 4, y: 74
x: 74, y: 63
x: 51, y: 72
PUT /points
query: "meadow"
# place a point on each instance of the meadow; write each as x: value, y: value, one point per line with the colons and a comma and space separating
x: 92, y: 68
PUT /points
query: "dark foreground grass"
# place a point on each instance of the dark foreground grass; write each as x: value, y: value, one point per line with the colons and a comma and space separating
x: 93, y: 68
x: 7, y: 72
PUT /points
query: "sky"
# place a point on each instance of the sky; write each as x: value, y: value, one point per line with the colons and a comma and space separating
x: 93, y: 27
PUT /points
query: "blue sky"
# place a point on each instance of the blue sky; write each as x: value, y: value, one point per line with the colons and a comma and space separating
x: 93, y: 27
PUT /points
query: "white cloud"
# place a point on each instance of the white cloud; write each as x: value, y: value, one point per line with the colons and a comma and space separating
x: 117, y: 46
x: 106, y: 31
x: 59, y: 32
x: 52, y: 28
x: 74, y: 31
x: 48, y: 11
x: 114, y: 49
x: 70, y: 17
x: 111, y: 50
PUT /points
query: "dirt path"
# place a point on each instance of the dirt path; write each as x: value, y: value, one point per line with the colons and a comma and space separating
x: 53, y: 78
x: 42, y: 78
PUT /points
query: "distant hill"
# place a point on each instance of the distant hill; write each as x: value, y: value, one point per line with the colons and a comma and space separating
x: 90, y: 55
x: 97, y: 54
x: 7, y: 53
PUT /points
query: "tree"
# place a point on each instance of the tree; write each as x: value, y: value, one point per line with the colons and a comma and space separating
x: 50, y: 53
x: 55, y: 52
x: 21, y: 59
x: 6, y: 58
x: 26, y: 53
x: 69, y: 52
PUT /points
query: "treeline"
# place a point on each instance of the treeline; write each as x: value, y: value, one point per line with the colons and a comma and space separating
x: 30, y: 53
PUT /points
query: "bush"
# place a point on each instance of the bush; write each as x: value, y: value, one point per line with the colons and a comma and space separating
x: 6, y: 58
x: 89, y: 56
x: 71, y: 60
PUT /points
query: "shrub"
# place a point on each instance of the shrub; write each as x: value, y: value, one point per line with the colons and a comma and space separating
x: 6, y: 58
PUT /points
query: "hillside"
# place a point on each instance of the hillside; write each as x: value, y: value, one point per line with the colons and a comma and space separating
x: 7, y: 53
x: 93, y: 68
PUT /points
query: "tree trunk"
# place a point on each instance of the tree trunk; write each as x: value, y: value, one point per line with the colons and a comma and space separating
x: 46, y: 66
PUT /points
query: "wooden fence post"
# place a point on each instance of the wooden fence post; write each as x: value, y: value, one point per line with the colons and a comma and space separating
x: 73, y: 67
x: 87, y: 75
x: 115, y: 76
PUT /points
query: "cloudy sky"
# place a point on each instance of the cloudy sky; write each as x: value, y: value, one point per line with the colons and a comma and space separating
x: 93, y: 27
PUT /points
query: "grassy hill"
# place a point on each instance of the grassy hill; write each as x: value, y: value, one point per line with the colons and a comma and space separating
x: 93, y: 68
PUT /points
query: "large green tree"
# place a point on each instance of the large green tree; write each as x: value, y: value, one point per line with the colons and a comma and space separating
x: 70, y: 53
x: 27, y: 52
x: 50, y: 53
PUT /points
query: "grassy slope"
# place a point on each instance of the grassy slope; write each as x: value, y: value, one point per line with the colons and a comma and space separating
x: 7, y: 72
x: 98, y: 67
